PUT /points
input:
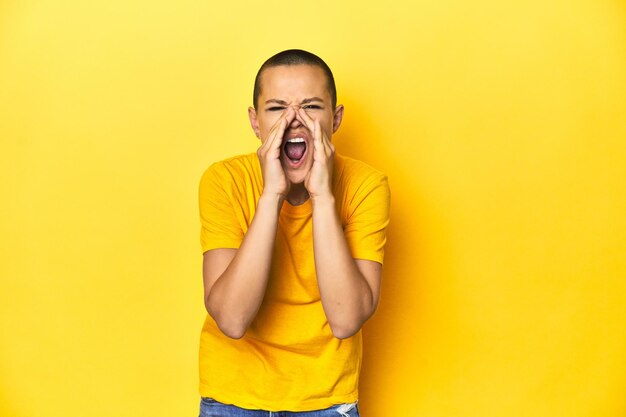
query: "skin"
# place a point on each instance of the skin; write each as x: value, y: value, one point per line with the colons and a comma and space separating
x: 294, y: 102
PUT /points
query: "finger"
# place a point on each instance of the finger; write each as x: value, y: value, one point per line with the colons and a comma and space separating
x: 325, y: 143
x: 317, y: 133
x: 318, y: 144
x: 276, y: 126
x: 287, y: 117
x: 275, y: 135
x: 328, y: 146
x: 276, y: 138
x: 305, y: 119
x: 267, y: 140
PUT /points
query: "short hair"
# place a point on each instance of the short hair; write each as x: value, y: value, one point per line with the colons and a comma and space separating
x: 295, y: 57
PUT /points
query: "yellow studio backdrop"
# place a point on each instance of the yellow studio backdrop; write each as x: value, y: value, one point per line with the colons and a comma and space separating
x: 502, y: 127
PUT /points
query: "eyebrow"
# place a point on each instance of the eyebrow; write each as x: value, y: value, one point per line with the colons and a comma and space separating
x: 309, y: 100
x: 284, y: 103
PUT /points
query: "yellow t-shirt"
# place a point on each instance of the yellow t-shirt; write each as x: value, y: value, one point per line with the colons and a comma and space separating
x: 288, y: 360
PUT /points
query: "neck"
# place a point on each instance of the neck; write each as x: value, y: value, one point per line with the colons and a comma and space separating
x: 297, y: 194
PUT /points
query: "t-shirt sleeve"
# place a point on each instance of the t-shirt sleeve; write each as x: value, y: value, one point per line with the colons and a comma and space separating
x: 366, y: 227
x: 219, y: 225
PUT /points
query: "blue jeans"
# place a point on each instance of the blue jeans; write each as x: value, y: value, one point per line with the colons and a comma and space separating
x: 211, y: 408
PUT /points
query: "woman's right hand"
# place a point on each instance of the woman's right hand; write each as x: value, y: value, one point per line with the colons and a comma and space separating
x: 274, y: 179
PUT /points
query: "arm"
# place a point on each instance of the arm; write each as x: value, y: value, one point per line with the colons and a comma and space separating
x: 349, y: 287
x: 235, y: 280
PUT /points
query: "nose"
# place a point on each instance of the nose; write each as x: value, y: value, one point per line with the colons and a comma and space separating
x: 295, y: 123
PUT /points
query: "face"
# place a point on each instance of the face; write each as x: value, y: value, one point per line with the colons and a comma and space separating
x: 297, y: 86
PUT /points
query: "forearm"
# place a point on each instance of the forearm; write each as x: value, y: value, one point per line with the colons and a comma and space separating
x: 235, y: 297
x: 346, y: 296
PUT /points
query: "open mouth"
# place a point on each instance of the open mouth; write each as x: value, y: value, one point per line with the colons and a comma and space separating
x: 294, y: 150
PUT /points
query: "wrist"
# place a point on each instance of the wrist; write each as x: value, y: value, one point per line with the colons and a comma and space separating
x: 326, y: 199
x: 273, y: 200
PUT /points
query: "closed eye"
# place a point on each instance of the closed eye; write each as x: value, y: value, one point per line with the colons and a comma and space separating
x: 275, y: 108
x: 311, y: 107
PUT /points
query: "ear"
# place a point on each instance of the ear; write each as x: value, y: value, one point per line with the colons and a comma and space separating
x: 338, y: 117
x: 254, y: 122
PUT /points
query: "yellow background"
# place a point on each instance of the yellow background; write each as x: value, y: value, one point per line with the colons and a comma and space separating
x: 502, y: 128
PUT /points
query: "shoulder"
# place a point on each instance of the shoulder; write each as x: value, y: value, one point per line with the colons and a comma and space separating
x: 353, y: 174
x: 240, y: 168
x: 236, y: 165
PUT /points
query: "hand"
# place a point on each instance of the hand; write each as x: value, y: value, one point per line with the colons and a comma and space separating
x: 274, y: 180
x: 318, y: 182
